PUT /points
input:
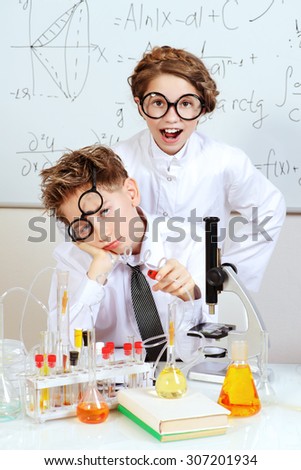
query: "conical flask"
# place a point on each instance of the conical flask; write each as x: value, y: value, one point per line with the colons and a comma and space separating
x: 10, y: 404
x: 171, y: 382
x: 92, y: 408
x: 238, y: 393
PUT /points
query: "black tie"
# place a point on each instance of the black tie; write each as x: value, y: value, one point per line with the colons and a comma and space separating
x: 146, y: 314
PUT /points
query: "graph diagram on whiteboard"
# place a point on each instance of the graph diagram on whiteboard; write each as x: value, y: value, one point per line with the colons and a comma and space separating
x: 63, y: 49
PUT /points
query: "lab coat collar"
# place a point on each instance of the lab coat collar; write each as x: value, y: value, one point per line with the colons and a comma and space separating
x: 157, y: 153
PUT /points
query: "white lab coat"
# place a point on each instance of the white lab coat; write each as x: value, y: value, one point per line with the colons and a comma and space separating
x: 208, y: 178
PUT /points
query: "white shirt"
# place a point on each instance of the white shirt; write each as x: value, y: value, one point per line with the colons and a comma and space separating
x: 208, y: 178
x: 109, y: 307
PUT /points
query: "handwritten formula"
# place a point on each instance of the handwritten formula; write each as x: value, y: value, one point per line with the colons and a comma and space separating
x: 67, y: 63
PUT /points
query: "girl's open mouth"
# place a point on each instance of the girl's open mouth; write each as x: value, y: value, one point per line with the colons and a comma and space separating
x: 171, y: 134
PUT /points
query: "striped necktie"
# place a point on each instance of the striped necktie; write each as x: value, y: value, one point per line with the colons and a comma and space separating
x: 146, y: 314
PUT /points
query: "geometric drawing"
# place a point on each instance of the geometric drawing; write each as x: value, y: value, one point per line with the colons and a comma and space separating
x: 64, y: 50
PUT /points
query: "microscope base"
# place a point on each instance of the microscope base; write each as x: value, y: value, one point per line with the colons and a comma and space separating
x: 209, y: 371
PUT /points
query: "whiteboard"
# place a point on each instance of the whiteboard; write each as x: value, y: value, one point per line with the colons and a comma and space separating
x: 65, y: 65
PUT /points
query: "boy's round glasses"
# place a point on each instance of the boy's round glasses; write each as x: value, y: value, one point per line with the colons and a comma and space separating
x: 89, y: 203
x: 188, y: 107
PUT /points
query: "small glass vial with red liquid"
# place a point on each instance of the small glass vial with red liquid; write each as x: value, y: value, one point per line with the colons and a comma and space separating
x: 238, y: 393
x: 138, y: 353
x: 128, y: 352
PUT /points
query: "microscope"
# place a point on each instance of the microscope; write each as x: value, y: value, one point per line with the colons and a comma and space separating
x: 223, y: 278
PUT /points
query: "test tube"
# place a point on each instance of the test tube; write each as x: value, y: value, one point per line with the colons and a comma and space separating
x: 130, y: 380
x: 63, y: 320
x: 111, y: 346
x: 138, y: 358
x: 51, y: 359
x: 43, y: 394
x: 78, y: 344
x: 87, y: 336
x: 54, y: 395
x: 98, y: 350
x: 39, y: 362
x: 106, y: 357
x: 138, y: 352
x: 74, y: 391
x: 128, y: 352
x: 108, y: 385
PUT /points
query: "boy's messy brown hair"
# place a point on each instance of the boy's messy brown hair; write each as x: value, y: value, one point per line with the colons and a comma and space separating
x: 74, y: 170
x: 178, y: 62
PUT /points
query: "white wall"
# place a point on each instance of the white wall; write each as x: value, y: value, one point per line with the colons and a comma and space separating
x: 278, y: 300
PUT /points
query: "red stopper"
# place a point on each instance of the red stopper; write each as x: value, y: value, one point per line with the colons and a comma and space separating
x: 152, y: 274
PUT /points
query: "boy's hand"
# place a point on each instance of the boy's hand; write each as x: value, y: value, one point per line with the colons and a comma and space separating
x: 174, y: 278
x: 102, y: 262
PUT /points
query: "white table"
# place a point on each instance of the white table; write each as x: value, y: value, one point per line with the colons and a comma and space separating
x: 275, y: 427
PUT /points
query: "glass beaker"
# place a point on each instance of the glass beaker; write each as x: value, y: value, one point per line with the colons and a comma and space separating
x: 10, y: 403
x: 171, y: 382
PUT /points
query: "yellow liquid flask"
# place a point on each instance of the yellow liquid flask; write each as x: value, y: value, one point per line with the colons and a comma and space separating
x: 238, y: 393
x: 171, y: 382
x: 92, y: 408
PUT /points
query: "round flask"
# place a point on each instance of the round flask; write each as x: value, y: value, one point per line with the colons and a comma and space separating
x: 171, y: 382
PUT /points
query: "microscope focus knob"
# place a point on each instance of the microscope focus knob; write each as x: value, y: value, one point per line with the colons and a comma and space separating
x: 216, y: 277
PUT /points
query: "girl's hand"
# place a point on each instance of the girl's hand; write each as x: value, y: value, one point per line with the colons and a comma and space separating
x: 174, y: 278
x: 102, y: 261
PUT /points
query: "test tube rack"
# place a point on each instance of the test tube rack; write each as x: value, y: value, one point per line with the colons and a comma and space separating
x: 34, y: 387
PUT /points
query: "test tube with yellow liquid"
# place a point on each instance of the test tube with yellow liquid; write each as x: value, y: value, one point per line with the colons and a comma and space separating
x: 171, y: 382
x: 63, y: 337
x: 46, y: 349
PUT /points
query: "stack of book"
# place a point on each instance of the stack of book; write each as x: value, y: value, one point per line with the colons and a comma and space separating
x: 194, y: 415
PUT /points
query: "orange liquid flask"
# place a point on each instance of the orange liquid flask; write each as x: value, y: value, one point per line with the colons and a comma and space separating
x: 238, y: 393
x: 92, y: 409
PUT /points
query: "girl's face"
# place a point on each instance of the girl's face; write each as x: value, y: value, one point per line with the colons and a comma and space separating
x: 170, y: 132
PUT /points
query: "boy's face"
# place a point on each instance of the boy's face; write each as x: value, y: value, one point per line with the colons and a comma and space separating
x: 117, y: 225
x: 170, y: 132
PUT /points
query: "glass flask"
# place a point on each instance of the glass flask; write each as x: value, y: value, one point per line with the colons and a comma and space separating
x: 171, y: 382
x: 265, y: 390
x: 238, y: 393
x: 10, y: 406
x: 92, y: 408
x: 10, y: 403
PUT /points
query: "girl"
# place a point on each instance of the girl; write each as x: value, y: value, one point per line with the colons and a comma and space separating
x: 184, y: 174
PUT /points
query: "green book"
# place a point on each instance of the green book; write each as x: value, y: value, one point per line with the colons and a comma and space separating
x: 176, y: 436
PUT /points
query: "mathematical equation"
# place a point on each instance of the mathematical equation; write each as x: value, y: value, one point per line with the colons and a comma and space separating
x: 273, y: 167
x: 40, y: 151
x: 72, y: 58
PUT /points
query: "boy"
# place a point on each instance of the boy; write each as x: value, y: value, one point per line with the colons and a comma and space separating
x: 182, y: 172
x: 90, y: 191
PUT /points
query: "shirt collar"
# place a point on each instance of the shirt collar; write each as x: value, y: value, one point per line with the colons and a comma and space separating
x: 157, y: 153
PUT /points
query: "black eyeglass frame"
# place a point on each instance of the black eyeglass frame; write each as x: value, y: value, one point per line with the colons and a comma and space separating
x: 169, y: 105
x: 84, y: 214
